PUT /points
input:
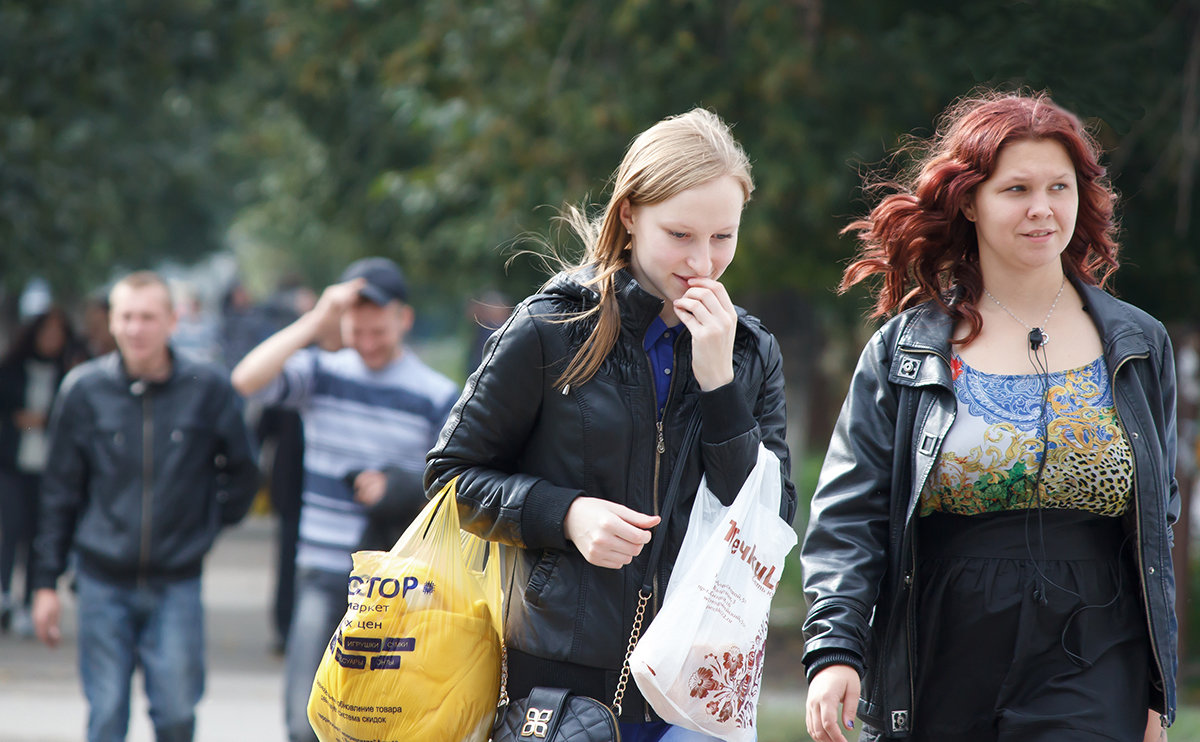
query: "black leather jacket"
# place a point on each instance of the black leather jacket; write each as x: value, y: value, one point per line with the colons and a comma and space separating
x: 524, y: 450
x: 141, y: 476
x: 859, y: 552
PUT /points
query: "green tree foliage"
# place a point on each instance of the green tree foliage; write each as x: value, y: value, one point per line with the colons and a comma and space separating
x: 112, y: 117
x: 316, y: 131
x: 442, y: 128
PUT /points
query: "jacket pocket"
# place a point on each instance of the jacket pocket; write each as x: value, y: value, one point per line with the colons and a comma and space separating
x: 539, y: 576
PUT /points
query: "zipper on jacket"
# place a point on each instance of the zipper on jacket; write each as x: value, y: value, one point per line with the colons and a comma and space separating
x: 660, y: 448
x: 147, y: 486
x: 1137, y: 523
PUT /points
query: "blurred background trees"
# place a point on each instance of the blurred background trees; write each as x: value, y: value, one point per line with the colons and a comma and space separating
x: 301, y: 134
x: 306, y: 133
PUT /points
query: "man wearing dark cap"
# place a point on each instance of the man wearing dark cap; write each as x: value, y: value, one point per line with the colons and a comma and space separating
x: 369, y: 406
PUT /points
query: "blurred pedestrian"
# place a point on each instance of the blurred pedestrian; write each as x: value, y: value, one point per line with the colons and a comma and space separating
x: 243, y: 325
x: 29, y: 376
x: 97, y: 337
x: 281, y: 432
x: 368, y: 403
x: 197, y: 332
x: 148, y: 458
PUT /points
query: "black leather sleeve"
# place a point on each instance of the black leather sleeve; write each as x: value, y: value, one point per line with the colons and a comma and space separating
x: 485, y: 436
x: 844, y: 554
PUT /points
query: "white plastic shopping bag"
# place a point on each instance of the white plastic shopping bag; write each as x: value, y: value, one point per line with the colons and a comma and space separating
x: 700, y: 662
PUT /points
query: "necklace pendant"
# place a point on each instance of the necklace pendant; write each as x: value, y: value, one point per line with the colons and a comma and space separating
x: 1037, y: 338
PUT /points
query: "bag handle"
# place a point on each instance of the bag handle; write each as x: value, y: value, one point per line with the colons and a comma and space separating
x: 690, y: 435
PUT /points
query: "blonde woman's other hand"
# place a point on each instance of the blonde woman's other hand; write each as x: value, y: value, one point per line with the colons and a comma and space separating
x: 608, y: 534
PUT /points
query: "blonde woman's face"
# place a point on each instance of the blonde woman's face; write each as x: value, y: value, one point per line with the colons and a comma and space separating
x: 693, y: 234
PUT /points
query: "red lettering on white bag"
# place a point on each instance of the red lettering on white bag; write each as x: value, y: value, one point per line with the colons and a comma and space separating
x: 747, y: 553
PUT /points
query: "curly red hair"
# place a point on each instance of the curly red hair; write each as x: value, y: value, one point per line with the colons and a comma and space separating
x: 917, y: 236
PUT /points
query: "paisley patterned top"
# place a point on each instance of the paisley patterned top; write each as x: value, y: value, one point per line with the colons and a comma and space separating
x: 989, y: 460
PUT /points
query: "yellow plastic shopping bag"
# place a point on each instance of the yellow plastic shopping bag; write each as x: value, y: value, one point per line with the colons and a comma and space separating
x: 417, y: 655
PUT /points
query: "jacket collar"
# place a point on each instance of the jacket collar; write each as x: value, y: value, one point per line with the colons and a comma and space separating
x: 116, y: 368
x: 928, y: 329
x: 638, y: 306
x: 922, y: 354
x: 1120, y: 333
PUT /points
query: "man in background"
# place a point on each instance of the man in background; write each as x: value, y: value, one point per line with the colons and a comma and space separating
x: 148, y: 459
x: 368, y: 405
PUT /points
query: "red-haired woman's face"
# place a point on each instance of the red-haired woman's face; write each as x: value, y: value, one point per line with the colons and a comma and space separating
x: 1025, y: 213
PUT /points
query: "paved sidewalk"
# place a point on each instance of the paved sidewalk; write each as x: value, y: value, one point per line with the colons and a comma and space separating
x: 41, y: 699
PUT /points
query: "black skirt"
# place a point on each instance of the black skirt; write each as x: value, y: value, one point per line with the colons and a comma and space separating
x: 1030, y: 626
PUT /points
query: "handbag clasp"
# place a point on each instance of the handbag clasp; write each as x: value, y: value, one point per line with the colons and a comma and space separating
x: 537, y: 723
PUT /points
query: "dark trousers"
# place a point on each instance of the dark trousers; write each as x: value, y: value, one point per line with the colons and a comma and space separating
x: 284, y: 429
x: 1030, y: 628
x: 18, y: 524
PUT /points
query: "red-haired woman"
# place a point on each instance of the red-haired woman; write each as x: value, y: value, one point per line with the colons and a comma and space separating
x: 988, y: 555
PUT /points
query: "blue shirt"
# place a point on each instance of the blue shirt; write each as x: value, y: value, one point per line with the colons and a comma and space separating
x: 659, y: 345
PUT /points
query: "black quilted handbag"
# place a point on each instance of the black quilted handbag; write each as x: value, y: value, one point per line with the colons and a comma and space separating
x: 556, y: 715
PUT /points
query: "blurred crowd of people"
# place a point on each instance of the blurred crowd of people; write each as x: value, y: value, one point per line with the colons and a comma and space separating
x: 72, y: 381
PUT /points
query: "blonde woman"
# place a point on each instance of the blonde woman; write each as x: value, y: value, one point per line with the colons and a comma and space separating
x: 564, y: 438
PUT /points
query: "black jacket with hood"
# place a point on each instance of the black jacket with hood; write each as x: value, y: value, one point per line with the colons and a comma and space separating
x: 523, y: 450
x: 859, y: 552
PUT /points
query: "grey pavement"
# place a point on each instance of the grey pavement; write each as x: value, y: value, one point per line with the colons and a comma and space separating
x: 41, y: 699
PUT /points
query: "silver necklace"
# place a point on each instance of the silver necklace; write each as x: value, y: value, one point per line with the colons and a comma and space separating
x: 1037, y: 336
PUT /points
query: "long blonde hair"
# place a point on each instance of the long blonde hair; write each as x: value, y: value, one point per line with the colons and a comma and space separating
x: 677, y: 153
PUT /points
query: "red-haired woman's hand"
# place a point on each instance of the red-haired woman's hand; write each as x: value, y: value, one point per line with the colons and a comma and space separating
x: 832, y: 690
x: 1155, y: 731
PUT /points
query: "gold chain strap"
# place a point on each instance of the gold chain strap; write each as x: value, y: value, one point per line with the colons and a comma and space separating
x: 634, y: 633
x: 503, y: 675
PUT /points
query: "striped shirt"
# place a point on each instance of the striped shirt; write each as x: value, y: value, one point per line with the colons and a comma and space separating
x: 355, y: 419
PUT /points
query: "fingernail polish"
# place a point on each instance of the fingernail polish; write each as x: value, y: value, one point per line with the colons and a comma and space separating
x: 850, y: 724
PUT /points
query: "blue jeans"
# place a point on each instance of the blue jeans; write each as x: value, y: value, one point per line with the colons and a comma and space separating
x: 320, y: 605
x: 159, y: 628
x: 660, y: 731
